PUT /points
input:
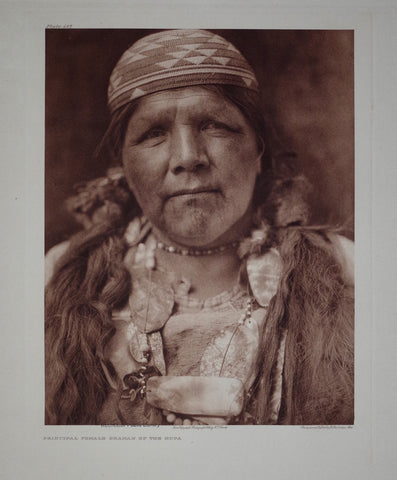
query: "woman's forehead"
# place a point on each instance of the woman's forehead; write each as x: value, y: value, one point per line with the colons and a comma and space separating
x: 191, y: 100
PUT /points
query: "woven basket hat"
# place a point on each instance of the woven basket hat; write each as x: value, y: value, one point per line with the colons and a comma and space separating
x: 174, y: 59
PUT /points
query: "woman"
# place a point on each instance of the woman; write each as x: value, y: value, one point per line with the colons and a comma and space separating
x: 196, y: 292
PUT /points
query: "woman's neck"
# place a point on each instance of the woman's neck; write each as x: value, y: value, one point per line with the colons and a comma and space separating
x: 211, y: 268
x: 208, y: 275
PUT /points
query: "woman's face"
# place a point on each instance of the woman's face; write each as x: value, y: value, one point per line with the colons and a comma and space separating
x: 191, y: 159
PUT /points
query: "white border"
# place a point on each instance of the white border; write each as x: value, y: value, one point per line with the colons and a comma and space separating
x: 234, y: 452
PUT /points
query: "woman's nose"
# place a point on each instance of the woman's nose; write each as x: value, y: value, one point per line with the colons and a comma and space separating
x: 188, y: 152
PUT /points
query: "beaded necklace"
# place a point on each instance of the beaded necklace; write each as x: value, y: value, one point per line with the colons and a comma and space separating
x: 197, y: 252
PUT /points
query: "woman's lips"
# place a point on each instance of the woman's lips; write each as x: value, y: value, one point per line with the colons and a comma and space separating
x: 202, y: 198
x: 193, y: 191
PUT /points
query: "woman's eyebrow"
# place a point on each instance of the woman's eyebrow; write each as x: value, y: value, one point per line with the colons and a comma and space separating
x: 166, y: 115
x: 145, y: 122
x: 153, y: 117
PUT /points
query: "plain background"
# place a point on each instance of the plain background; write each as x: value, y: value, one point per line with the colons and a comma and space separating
x: 366, y: 451
x: 307, y: 85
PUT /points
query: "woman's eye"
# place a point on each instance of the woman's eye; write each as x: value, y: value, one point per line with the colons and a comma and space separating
x: 154, y: 133
x: 218, y: 128
x: 152, y: 137
x: 212, y: 125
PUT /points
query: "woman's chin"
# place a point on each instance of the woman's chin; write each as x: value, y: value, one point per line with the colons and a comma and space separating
x: 202, y: 236
x: 191, y: 237
x: 189, y: 233
x: 194, y: 227
x: 202, y: 228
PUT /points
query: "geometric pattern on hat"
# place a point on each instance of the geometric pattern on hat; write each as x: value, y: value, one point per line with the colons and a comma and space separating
x: 174, y: 59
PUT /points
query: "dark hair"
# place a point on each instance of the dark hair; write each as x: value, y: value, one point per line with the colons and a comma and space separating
x: 91, y: 280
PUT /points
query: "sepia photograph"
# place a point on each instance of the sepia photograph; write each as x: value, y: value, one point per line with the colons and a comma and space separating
x: 199, y: 227
x: 198, y: 275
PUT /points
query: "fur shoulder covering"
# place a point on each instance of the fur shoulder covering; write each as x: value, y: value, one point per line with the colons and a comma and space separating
x: 316, y: 306
x: 319, y: 316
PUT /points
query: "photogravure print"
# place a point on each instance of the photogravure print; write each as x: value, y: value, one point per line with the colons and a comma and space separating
x: 199, y: 226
